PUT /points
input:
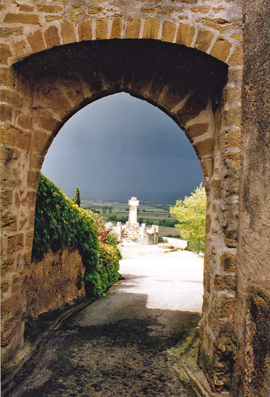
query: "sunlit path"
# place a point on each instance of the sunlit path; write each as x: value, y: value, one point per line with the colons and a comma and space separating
x: 118, y: 345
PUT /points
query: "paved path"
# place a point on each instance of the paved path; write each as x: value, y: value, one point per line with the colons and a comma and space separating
x: 118, y: 345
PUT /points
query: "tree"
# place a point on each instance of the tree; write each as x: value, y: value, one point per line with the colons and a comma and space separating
x: 190, y: 213
x: 77, y: 197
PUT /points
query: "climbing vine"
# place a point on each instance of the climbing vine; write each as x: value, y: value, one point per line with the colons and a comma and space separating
x: 59, y: 223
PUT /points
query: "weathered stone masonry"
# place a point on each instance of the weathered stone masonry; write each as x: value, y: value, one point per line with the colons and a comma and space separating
x: 184, y: 57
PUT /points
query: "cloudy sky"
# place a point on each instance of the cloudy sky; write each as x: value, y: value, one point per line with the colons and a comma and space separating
x: 120, y: 146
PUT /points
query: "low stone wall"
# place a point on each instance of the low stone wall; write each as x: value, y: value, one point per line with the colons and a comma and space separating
x: 56, y: 280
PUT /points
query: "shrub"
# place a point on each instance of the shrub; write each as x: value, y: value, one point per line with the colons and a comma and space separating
x: 59, y: 223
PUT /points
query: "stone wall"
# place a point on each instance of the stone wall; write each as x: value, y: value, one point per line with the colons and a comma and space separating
x: 49, y: 284
x: 252, y: 376
x: 56, y: 280
x: 184, y: 57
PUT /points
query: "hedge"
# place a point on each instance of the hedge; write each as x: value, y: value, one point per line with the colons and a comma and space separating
x: 59, y: 223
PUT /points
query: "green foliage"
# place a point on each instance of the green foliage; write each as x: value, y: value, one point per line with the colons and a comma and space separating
x: 190, y: 214
x: 77, y: 197
x: 107, y: 270
x: 59, y: 223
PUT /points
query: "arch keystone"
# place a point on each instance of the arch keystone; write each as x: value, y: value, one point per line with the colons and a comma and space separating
x: 168, y: 31
x: 68, y: 32
x: 151, y: 28
x: 85, y: 30
x: 185, y: 34
x: 116, y: 28
x: 133, y: 28
x: 102, y: 29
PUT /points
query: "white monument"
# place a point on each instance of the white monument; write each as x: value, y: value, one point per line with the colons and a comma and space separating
x: 132, y: 217
x: 132, y: 231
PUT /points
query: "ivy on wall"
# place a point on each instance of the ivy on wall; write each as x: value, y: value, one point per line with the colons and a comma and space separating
x: 59, y: 223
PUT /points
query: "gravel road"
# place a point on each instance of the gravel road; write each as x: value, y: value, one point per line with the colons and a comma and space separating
x: 117, y: 346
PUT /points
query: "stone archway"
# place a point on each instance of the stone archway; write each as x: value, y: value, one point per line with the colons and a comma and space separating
x: 186, y: 84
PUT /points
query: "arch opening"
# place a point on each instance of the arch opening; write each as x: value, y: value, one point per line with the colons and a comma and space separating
x: 187, y: 85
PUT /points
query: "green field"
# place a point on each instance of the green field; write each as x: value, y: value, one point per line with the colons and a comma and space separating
x: 151, y: 213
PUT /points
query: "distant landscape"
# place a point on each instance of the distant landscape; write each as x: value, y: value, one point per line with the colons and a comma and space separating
x: 149, y: 212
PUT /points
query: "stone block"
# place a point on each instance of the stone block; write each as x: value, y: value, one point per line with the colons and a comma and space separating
x: 29, y: 240
x: 30, y: 19
x: 193, y: 107
x: 10, y: 97
x: 19, y: 47
x: 6, y: 197
x: 168, y: 31
x: 4, y: 286
x: 207, y: 169
x: 37, y: 158
x: 50, y: 96
x: 133, y: 28
x: 24, y: 140
x: 26, y: 8
x: 197, y: 129
x: 36, y: 41
x: 235, y: 77
x: 228, y: 139
x: 226, y: 282
x: 95, y: 10
x: 77, y: 14
x: 232, y: 96
x: 151, y: 28
x: 172, y: 97
x: 102, y: 29
x: 225, y: 306
x: 7, y: 266
x: 234, y: 157
x: 219, y: 24
x: 200, y: 9
x: 236, y: 59
x: 8, y: 331
x: 231, y: 117
x: 6, y: 112
x: 9, y: 135
x: 68, y: 32
x: 228, y: 262
x: 204, y: 148
x: 11, y: 305
x: 7, y: 77
x: 52, y: 37
x: 204, y: 40
x: 116, y: 28
x: 5, y: 53
x: 221, y: 49
x: 15, y: 243
x: 85, y: 30
x: 207, y: 223
x: 216, y: 185
x: 24, y: 121
x: 32, y: 179
x: 7, y: 33
x: 53, y: 9
x: 41, y: 141
x: 231, y: 242
x: 47, y: 122
x: 185, y: 34
x: 51, y: 18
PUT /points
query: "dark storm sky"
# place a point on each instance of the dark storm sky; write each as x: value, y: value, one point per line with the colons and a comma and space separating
x: 118, y: 147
